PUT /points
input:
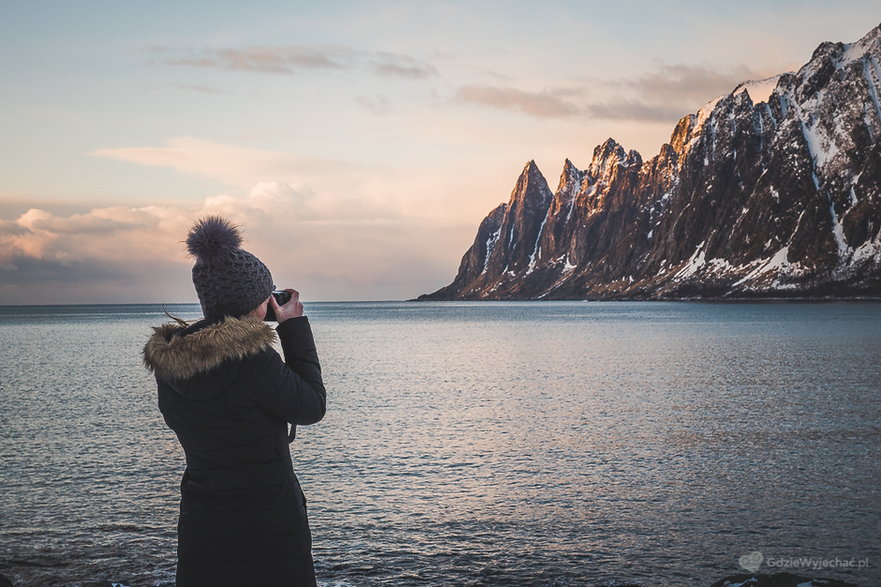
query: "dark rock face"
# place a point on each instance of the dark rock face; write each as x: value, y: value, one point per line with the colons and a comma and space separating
x: 777, y: 196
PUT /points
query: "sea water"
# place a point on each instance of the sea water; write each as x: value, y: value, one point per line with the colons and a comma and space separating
x: 520, y: 443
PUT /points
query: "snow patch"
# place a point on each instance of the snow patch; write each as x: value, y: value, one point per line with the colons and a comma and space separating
x: 838, y: 232
x: 704, y: 112
x: 573, y: 187
x: 490, y: 245
x: 719, y: 265
x: 778, y: 261
x: 699, y: 118
x: 536, y: 248
x: 566, y: 274
x: 857, y: 50
x: 775, y: 262
x: 784, y: 105
x: 869, y: 250
x: 696, y: 261
x: 758, y: 90
x: 571, y: 207
x: 873, y: 79
x: 821, y: 148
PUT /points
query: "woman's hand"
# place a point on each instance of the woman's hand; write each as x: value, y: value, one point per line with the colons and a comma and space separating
x: 291, y: 309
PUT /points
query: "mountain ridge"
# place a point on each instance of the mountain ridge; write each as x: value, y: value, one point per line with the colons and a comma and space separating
x: 773, y: 198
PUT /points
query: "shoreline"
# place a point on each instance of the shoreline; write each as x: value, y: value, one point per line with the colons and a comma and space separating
x: 743, y: 580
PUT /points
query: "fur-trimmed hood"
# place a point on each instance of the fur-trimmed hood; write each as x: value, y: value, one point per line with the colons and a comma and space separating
x: 175, y: 355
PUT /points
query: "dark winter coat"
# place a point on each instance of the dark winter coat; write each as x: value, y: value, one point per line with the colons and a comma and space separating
x: 228, y: 396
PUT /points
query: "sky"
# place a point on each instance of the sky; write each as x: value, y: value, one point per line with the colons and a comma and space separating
x: 358, y: 144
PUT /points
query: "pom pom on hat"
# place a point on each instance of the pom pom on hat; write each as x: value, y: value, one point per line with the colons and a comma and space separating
x: 213, y: 236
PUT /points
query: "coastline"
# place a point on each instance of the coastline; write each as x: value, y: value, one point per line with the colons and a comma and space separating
x: 747, y: 580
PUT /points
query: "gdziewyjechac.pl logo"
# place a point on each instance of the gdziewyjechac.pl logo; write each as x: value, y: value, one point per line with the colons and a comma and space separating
x: 752, y: 561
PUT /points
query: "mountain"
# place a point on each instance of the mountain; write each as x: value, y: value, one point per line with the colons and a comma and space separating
x: 773, y: 190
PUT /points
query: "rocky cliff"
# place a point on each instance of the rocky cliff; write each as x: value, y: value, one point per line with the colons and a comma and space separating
x: 773, y: 190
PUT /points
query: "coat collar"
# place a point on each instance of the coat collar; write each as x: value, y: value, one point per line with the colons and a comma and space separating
x: 174, y: 355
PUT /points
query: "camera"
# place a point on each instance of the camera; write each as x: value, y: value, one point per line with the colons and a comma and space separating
x: 282, y: 297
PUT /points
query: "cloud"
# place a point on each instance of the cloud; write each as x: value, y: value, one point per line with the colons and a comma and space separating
x: 38, y: 220
x: 667, y: 93
x: 136, y: 253
x: 199, y: 89
x: 378, y: 104
x: 689, y: 83
x: 621, y: 108
x: 231, y: 164
x: 205, y: 158
x: 401, y: 66
x: 662, y: 95
x: 544, y: 104
x: 39, y: 234
x: 33, y: 271
x: 293, y: 59
x: 285, y: 60
x: 344, y: 191
x: 275, y: 59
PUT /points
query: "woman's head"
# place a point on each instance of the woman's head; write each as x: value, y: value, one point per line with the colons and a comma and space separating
x: 229, y: 280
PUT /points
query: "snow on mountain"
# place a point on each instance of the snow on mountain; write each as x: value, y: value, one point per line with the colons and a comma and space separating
x: 772, y: 190
x: 759, y: 90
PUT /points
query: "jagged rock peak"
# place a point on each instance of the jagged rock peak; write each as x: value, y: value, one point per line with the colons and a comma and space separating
x: 569, y: 177
x: 569, y: 170
x: 609, y: 147
x: 531, y: 185
x: 531, y: 167
x: 869, y: 42
x: 633, y: 158
x: 682, y: 133
x: 610, y: 153
x: 841, y: 54
x: 825, y: 49
x: 529, y: 176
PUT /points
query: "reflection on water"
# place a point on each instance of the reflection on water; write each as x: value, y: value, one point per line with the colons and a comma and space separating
x: 477, y: 443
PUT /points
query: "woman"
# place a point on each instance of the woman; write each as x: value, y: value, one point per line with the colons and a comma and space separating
x: 228, y: 396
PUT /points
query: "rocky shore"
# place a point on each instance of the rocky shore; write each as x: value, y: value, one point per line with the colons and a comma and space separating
x: 779, y: 580
x: 7, y: 582
x: 756, y: 580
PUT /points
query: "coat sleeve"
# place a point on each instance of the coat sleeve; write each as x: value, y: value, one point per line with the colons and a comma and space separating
x: 295, y: 393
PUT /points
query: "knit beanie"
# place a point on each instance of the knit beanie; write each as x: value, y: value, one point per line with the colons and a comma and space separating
x: 229, y: 280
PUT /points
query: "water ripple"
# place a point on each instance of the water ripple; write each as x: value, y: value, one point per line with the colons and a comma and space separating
x: 476, y: 444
